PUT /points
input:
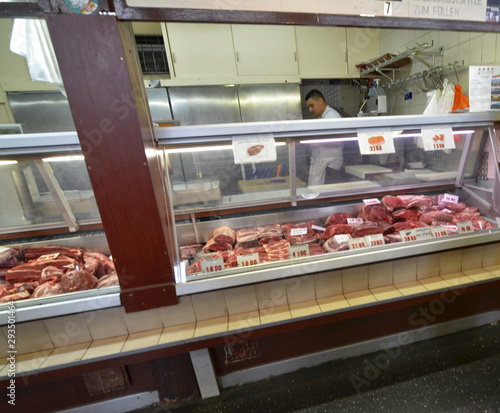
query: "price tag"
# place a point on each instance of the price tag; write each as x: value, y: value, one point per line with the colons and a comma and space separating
x: 374, y: 240
x: 298, y: 251
x: 451, y: 228
x: 371, y: 201
x: 446, y: 210
x: 318, y: 228
x: 357, y: 243
x: 407, y: 235
x: 341, y: 238
x: 439, y: 231
x: 248, y: 260
x: 376, y: 142
x: 298, y: 231
x: 354, y: 221
x: 212, y: 265
x: 48, y: 257
x: 415, y: 234
x: 437, y: 138
x: 254, y: 148
x: 464, y: 227
x: 452, y: 199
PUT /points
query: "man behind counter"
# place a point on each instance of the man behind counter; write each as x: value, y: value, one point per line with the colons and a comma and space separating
x: 323, y: 155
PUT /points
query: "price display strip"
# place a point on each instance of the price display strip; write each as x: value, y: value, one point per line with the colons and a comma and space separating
x: 212, y: 265
x: 248, y: 260
x: 464, y: 227
x: 437, y: 138
x: 298, y: 231
x: 298, y: 251
x: 371, y: 201
x: 357, y: 243
x: 439, y: 231
x: 415, y: 234
x: 376, y: 142
x: 374, y: 240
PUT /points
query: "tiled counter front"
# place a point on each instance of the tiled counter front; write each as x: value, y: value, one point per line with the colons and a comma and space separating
x: 46, y: 344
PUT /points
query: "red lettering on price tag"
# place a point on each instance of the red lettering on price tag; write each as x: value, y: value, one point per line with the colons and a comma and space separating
x: 212, y: 265
x: 248, y: 260
x: 354, y: 221
x: 439, y: 231
x: 371, y: 201
x: 375, y: 240
x: 298, y: 251
x: 464, y: 227
x: 48, y: 257
x: 408, y: 236
x: 356, y: 243
x: 450, y: 198
x: 375, y: 148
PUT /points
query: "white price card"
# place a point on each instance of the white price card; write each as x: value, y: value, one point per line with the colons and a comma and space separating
x: 317, y: 228
x: 254, y: 148
x: 376, y: 142
x: 439, y: 231
x: 354, y: 221
x: 437, y: 138
x: 464, y: 227
x: 374, y: 240
x: 298, y: 231
x: 415, y: 234
x: 48, y: 257
x: 248, y: 260
x: 357, y: 243
x: 452, y: 199
x: 212, y: 265
x: 371, y: 201
x: 298, y: 251
x: 451, y: 228
x: 341, y: 238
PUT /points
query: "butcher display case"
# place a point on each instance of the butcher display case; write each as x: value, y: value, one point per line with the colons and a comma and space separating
x: 245, y: 211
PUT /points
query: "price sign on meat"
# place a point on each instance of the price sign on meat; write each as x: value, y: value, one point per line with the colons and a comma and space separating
x: 357, y: 243
x: 439, y: 231
x: 453, y: 199
x: 376, y: 142
x: 371, y: 201
x: 212, y: 265
x: 248, y: 260
x: 354, y: 221
x: 298, y: 231
x: 415, y: 234
x: 298, y: 251
x: 48, y: 257
x: 254, y: 148
x: 437, y: 138
x: 374, y: 240
x: 464, y: 227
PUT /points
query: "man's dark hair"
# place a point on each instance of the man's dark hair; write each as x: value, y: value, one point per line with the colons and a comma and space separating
x: 315, y: 94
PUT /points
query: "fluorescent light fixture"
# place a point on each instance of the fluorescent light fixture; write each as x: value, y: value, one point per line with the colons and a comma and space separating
x: 417, y: 135
x: 7, y: 163
x: 64, y: 158
x: 209, y: 148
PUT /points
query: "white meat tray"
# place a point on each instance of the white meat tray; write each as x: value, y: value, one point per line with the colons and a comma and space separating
x: 436, y: 176
x: 362, y: 170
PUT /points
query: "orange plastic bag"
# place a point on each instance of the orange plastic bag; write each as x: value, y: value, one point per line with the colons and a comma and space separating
x: 460, y: 101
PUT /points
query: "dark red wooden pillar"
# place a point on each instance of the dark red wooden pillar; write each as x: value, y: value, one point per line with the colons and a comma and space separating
x: 102, y: 78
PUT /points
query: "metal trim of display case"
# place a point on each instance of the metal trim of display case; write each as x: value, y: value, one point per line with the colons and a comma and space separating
x: 33, y: 143
x: 338, y: 260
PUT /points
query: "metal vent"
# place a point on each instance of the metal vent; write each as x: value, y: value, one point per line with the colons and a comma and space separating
x: 151, y: 50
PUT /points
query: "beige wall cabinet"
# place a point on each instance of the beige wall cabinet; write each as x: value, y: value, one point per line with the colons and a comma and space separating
x: 265, y: 50
x: 321, y: 52
x: 363, y: 46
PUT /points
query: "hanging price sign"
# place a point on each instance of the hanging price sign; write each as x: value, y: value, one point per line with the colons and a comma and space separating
x: 212, y: 265
x: 464, y: 227
x: 248, y: 260
x: 374, y: 240
x: 376, y: 142
x: 439, y: 231
x: 298, y: 251
x: 357, y: 243
x: 437, y: 138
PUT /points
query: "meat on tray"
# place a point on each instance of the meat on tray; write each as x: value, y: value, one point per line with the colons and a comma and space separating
x: 277, y: 251
x: 336, y: 229
x: 337, y: 218
x: 366, y: 228
x: 78, y: 280
x: 213, y: 246
x: 51, y: 273
x: 309, y: 236
x: 47, y: 289
x: 32, y: 253
x: 374, y: 213
x: 189, y: 251
x: 15, y: 297
x: 452, y: 206
x: 337, y: 243
x: 315, y: 248
x: 255, y: 233
x: 392, y: 202
x: 436, y: 215
x: 411, y: 214
x: 423, y: 202
x: 98, y: 264
x: 11, y: 257
x: 224, y: 235
x: 33, y: 269
x: 108, y: 280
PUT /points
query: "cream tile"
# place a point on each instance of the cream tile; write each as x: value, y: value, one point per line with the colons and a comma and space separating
x: 142, y: 320
x: 106, y: 323
x: 360, y: 297
x: 450, y: 262
x: 271, y: 294
x: 28, y: 362
x: 244, y: 320
x: 181, y: 313
x: 355, y: 279
x: 494, y: 269
x: 143, y: 339
x: 241, y: 299
x: 410, y: 288
x: 333, y: 303
x: 489, y: 47
x: 457, y: 279
x: 405, y: 270
x: 479, y: 274
x: 211, y: 326
x: 68, y: 330
x: 105, y: 347
x: 274, y: 314
x: 65, y: 355
x: 386, y: 292
x: 472, y: 258
x: 30, y: 337
x: 434, y: 283
x: 209, y: 305
x: 380, y: 274
x: 299, y: 289
x: 491, y: 255
x: 179, y: 332
x: 476, y: 49
x: 428, y: 266
x: 328, y: 284
x: 304, y: 308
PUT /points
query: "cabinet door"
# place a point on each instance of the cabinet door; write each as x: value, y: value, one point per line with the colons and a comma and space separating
x: 321, y: 52
x: 201, y: 50
x: 265, y: 50
x: 363, y: 46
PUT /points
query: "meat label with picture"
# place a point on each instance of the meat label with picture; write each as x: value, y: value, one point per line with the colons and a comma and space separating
x: 254, y: 148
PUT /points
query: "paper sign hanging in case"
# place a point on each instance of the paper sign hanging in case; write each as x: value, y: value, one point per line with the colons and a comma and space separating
x: 437, y: 138
x: 376, y: 142
x: 254, y: 149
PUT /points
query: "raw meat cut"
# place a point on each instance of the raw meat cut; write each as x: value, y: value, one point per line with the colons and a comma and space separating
x: 15, y: 297
x: 108, y: 280
x: 98, y: 264
x: 224, y: 235
x: 278, y: 250
x: 254, y: 233
x: 392, y: 202
x: 32, y: 253
x: 310, y: 235
x: 411, y: 214
x: 337, y: 229
x: 452, y: 206
x: 214, y: 246
x: 11, y: 257
x: 267, y: 240
x: 47, y: 289
x: 195, y: 267
x: 374, y: 213
x: 423, y: 202
x: 248, y: 244
x: 78, y: 280
x: 273, y: 230
x: 436, y: 215
x: 366, y: 228
x: 392, y: 238
x: 189, y: 251
x: 467, y: 214
x: 33, y: 269
x: 315, y: 248
x: 337, y: 243
x: 338, y: 218
x: 51, y: 273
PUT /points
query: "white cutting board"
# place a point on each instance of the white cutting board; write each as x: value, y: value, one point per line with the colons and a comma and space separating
x: 362, y: 170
